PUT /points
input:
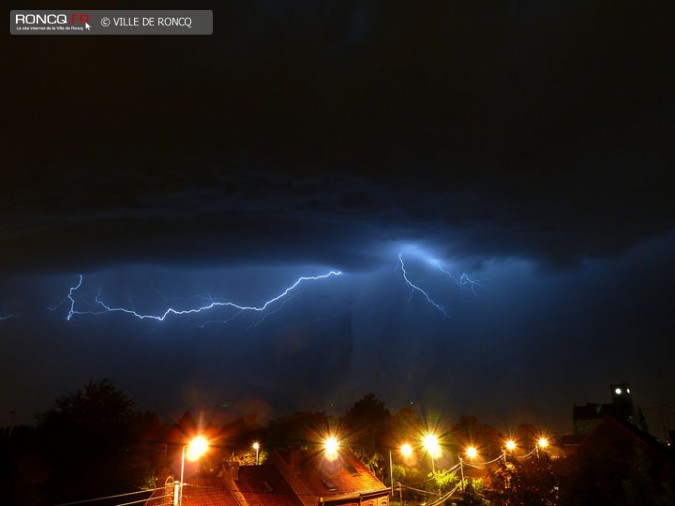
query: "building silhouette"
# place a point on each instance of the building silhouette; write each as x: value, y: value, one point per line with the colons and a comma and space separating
x: 622, y: 408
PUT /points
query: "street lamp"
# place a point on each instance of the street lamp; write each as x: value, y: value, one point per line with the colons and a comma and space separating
x: 542, y: 443
x: 510, y: 446
x: 471, y: 452
x: 406, y: 451
x: 433, y: 448
x: 256, y: 447
x: 331, y: 445
x: 193, y: 450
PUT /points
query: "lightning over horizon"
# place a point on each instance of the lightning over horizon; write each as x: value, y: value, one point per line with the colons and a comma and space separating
x: 181, y: 312
x: 83, y: 299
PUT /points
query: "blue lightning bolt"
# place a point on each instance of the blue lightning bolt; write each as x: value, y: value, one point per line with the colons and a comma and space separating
x: 414, y: 287
x: 105, y: 308
x: 464, y: 279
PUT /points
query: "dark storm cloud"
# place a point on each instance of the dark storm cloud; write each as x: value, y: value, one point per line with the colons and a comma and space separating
x: 314, y: 131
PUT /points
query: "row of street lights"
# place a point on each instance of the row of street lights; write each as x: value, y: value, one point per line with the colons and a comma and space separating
x: 431, y: 445
x: 198, y: 446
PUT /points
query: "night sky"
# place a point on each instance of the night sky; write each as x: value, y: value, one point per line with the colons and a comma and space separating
x: 514, y: 157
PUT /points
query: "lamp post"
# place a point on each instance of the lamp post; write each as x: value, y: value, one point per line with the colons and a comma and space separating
x: 542, y: 443
x: 471, y: 453
x: 433, y: 448
x: 391, y: 474
x: 195, y: 449
x: 406, y: 451
x: 256, y: 447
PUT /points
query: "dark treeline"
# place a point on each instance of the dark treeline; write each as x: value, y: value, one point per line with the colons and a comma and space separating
x: 89, y: 444
x: 95, y: 443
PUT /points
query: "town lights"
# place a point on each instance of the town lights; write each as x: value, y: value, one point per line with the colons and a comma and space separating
x: 406, y: 450
x: 471, y: 452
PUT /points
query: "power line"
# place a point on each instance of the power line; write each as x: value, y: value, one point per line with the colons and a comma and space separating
x: 481, y: 464
x: 83, y: 501
x: 145, y: 500
x: 418, y: 490
x: 444, y: 498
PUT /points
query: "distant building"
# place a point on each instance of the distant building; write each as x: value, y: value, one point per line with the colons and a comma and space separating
x: 288, y: 478
x: 618, y: 464
x: 622, y: 408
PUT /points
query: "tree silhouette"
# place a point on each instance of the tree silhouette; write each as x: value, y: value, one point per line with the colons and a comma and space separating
x: 367, y: 422
x: 92, y: 442
x: 533, y: 482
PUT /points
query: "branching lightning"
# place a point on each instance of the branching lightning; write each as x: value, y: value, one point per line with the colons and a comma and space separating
x: 77, y: 305
x: 212, y: 304
x: 416, y: 288
x: 463, y: 280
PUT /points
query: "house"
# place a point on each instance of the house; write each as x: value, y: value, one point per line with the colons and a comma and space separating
x: 294, y: 477
x: 617, y: 463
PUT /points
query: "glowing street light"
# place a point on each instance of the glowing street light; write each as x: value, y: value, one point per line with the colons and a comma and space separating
x: 331, y: 445
x: 406, y: 451
x: 432, y: 447
x: 509, y: 446
x: 471, y: 452
x: 193, y: 451
x: 542, y: 443
x: 256, y: 447
x: 196, y: 448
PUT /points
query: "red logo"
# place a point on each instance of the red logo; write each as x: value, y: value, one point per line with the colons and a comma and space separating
x: 80, y: 19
